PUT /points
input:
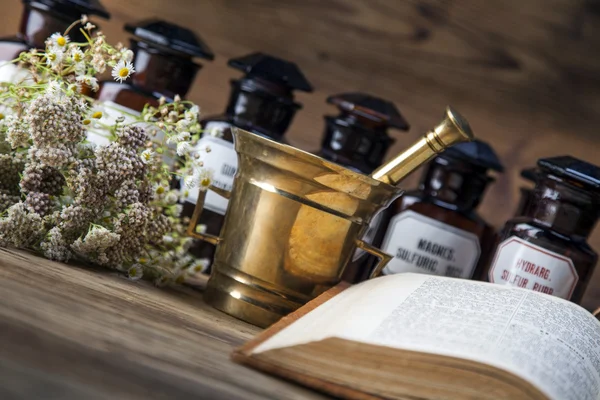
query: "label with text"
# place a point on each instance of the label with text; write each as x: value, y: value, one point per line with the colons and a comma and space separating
x: 222, y: 159
x: 522, y: 264
x: 369, y: 235
x: 427, y: 246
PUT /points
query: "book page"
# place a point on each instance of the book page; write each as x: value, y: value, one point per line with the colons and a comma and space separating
x: 552, y: 343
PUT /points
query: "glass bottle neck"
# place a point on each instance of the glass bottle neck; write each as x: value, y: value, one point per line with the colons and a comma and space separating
x: 564, y: 208
x: 160, y: 73
x: 355, y: 142
x: 261, y: 106
x: 453, y: 184
x: 37, y: 24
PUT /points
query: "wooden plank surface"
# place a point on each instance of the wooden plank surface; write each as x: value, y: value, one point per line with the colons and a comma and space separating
x: 75, y: 333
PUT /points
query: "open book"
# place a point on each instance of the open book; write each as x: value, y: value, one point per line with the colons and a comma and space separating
x: 410, y: 336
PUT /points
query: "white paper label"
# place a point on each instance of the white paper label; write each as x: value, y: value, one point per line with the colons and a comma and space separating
x: 9, y: 72
x: 222, y: 159
x: 110, y: 112
x: 522, y: 264
x: 424, y: 245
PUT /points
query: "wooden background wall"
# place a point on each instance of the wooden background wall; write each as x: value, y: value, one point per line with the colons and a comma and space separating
x: 524, y: 72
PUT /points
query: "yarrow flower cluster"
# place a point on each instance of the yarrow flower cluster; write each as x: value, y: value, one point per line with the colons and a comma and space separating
x: 110, y: 205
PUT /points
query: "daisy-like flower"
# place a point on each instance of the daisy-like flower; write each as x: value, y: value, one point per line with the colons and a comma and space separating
x: 192, y: 114
x: 183, y: 148
x: 122, y: 71
x: 171, y: 198
x: 53, y: 87
x: 135, y: 272
x: 206, y: 178
x: 54, y: 57
x: 78, y: 60
x: 199, y: 265
x: 183, y: 136
x: 58, y: 41
x: 191, y: 181
x: 89, y: 80
x: 147, y: 156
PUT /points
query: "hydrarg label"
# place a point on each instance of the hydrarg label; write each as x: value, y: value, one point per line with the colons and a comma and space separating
x: 222, y: 159
x: 424, y: 245
x: 522, y: 264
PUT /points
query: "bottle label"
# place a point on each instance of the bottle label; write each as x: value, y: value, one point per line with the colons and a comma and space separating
x: 522, y: 264
x: 424, y: 245
x: 11, y: 73
x: 222, y: 159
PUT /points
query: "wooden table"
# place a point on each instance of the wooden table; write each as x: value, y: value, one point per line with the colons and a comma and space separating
x: 76, y: 333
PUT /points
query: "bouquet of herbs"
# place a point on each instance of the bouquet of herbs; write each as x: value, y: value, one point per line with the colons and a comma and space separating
x: 67, y: 198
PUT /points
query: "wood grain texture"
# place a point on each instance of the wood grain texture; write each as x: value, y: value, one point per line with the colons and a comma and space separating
x: 74, y: 333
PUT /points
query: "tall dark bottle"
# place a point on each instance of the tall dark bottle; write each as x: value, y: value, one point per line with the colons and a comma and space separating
x: 437, y: 229
x: 526, y: 192
x: 358, y: 139
x: 262, y: 102
x: 164, y: 67
x: 40, y: 19
x: 546, y: 249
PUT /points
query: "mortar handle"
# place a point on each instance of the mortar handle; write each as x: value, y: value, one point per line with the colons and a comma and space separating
x: 597, y: 313
x: 384, y: 258
x: 191, y: 230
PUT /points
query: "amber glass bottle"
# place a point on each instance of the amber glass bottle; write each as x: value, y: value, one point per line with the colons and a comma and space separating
x: 163, y: 63
x: 164, y: 67
x: 358, y: 139
x: 436, y: 229
x: 526, y: 192
x: 39, y: 20
x: 261, y: 102
x: 546, y: 249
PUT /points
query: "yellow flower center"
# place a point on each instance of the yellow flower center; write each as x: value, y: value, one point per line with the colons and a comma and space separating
x: 52, y: 56
x: 160, y: 190
x: 1, y: 116
x: 97, y: 115
x: 180, y: 279
x: 61, y: 41
x: 205, y: 182
x: 124, y: 72
x: 134, y: 271
x: 77, y: 57
x: 142, y: 260
x: 87, y: 122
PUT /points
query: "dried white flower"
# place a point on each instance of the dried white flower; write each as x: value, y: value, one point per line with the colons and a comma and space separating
x: 89, y: 80
x: 205, y: 178
x: 54, y: 57
x: 183, y: 148
x: 135, y: 272
x: 147, y: 156
x: 127, y: 55
x: 122, y: 71
x: 58, y: 41
x: 78, y: 60
x: 198, y: 266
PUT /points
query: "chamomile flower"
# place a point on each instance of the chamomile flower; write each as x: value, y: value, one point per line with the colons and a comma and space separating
x: 205, y: 178
x: 192, y: 114
x: 199, y: 265
x: 135, y: 272
x: 147, y: 156
x: 122, y: 71
x: 58, y: 41
x: 183, y: 136
x: 183, y: 148
x: 78, y: 60
x: 53, y: 87
x: 54, y: 57
x: 89, y: 80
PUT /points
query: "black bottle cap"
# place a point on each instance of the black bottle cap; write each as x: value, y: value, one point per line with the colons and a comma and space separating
x: 530, y: 174
x: 273, y: 69
x: 370, y: 107
x: 170, y: 38
x: 573, y: 169
x: 71, y: 8
x: 476, y: 152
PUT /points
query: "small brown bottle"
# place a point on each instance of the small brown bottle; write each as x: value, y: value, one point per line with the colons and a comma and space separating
x: 163, y: 63
x: 546, y: 249
x: 358, y: 139
x: 164, y: 67
x: 40, y: 19
x: 261, y: 102
x: 526, y: 192
x: 437, y: 230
